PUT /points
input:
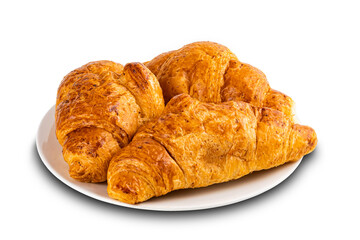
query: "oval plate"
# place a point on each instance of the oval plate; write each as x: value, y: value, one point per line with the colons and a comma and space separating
x: 213, y: 196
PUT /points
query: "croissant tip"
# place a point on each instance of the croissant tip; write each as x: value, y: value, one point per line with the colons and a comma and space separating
x: 309, y: 137
x: 312, y: 140
x: 81, y: 170
x: 128, y: 186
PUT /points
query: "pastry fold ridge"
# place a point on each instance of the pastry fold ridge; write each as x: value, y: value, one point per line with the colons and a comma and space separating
x: 196, y: 144
x: 210, y: 72
x: 99, y: 107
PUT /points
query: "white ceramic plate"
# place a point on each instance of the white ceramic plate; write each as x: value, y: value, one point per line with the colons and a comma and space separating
x: 182, y: 200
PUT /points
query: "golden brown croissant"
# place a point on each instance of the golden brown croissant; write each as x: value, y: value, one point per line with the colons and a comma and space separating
x: 195, y: 144
x: 210, y: 72
x: 99, y: 107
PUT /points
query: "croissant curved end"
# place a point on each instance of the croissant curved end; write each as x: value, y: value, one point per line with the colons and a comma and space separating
x: 309, y: 135
x: 129, y: 187
x: 86, y: 170
x: 88, y: 152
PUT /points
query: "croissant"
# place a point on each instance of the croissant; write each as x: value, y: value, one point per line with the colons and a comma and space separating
x: 195, y: 144
x: 99, y: 107
x: 210, y: 72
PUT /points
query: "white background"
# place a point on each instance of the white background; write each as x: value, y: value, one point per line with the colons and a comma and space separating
x: 309, y: 50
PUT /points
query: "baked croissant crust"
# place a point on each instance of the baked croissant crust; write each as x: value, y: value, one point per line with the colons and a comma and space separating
x: 99, y: 108
x: 195, y: 144
x: 210, y: 72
